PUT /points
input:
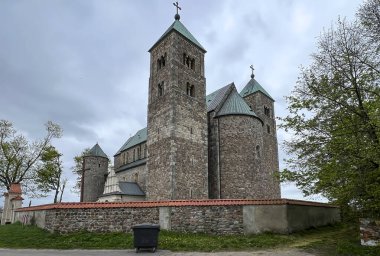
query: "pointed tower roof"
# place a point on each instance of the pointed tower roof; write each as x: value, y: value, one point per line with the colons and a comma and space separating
x: 235, y: 105
x: 252, y: 87
x: 182, y: 30
x: 97, y: 151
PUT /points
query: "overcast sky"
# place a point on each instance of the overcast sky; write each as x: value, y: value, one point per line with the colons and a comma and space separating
x: 85, y: 65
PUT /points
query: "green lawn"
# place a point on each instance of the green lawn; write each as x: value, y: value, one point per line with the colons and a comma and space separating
x: 336, y: 240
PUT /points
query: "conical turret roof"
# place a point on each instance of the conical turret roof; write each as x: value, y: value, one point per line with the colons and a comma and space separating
x: 182, y: 30
x: 97, y: 151
x: 252, y: 87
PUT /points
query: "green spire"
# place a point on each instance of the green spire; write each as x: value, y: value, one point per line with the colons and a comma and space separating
x: 97, y: 151
x: 182, y: 30
x: 252, y: 87
x: 235, y: 105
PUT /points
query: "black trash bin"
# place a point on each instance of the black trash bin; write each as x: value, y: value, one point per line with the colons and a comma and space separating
x: 145, y: 236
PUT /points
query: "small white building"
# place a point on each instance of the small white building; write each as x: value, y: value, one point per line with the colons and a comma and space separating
x: 12, y: 201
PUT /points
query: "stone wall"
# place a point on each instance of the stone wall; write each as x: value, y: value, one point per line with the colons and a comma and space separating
x: 242, y: 165
x: 201, y: 216
x: 137, y: 174
x: 269, y: 161
x: 130, y: 155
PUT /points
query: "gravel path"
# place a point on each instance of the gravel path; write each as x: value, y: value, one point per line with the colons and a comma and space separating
x: 30, y: 252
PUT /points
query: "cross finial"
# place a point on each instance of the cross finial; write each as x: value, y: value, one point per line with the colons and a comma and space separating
x: 252, y: 75
x: 177, y: 17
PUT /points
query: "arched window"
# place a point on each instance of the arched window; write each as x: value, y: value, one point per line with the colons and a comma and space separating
x: 138, y: 153
x: 268, y: 128
x: 193, y: 64
x: 258, y: 152
x: 127, y: 158
x: 184, y: 59
x: 267, y: 111
x: 158, y: 64
x: 136, y: 178
x: 190, y: 90
x: 134, y: 155
x: 161, y: 89
x: 145, y: 151
x: 163, y: 61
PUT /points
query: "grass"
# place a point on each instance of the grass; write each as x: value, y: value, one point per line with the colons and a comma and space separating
x: 335, y: 240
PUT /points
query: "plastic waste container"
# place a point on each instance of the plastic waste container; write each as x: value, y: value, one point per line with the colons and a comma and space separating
x: 145, y: 236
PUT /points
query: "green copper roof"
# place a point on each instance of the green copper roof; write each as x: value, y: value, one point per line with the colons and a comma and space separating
x: 214, y: 99
x: 97, y: 151
x: 180, y: 28
x: 235, y: 105
x: 252, y: 87
x: 139, y: 137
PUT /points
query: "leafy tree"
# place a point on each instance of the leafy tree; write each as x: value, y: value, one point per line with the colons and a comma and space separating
x: 335, y: 121
x: 77, y: 169
x: 369, y: 15
x: 49, y: 176
x: 19, y: 157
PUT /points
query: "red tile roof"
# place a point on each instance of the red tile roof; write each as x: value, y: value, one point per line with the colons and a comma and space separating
x: 17, y: 198
x: 173, y: 203
x: 15, y: 188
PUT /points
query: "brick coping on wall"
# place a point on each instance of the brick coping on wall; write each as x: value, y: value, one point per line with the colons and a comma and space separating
x: 174, y: 203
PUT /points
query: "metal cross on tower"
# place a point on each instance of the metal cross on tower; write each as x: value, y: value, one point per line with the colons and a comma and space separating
x: 252, y: 75
x: 177, y: 6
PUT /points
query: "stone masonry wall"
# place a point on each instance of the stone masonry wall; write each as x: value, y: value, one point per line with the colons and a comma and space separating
x: 269, y: 163
x: 137, y: 174
x: 99, y: 219
x: 221, y: 220
x: 241, y: 172
x: 130, y: 155
x: 96, y: 169
x: 222, y: 217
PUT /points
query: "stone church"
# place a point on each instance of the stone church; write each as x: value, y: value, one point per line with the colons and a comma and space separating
x: 219, y: 146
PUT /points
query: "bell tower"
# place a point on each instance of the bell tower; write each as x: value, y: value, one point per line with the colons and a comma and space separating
x: 177, y: 117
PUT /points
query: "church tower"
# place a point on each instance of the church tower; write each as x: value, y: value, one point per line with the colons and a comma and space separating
x: 95, y: 170
x: 263, y: 105
x: 177, y: 117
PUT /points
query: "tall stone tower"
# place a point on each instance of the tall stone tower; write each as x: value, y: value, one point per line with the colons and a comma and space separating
x: 95, y: 170
x: 177, y: 117
x: 263, y: 105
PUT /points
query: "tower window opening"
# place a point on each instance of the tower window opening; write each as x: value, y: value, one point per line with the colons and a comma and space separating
x: 193, y: 64
x: 161, y: 89
x: 190, y: 90
x: 184, y: 59
x: 188, y: 61
x: 268, y: 128
x: 267, y: 111
x: 258, y: 153
x: 163, y: 61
